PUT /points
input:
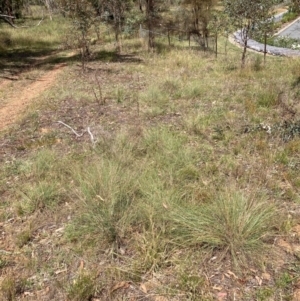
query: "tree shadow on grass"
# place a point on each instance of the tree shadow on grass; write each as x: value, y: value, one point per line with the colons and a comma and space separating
x: 15, y: 62
x: 114, y: 56
x: 17, y: 56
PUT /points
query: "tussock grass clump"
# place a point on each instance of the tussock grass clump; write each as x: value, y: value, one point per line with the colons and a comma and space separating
x: 106, y: 191
x: 82, y: 287
x: 151, y: 245
x: 12, y: 287
x: 8, y: 288
x: 23, y: 238
x: 41, y: 195
x: 47, y: 181
x: 232, y: 223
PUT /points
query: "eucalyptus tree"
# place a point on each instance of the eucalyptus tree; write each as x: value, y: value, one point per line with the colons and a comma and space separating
x: 247, y: 15
x: 151, y: 15
x: 84, y: 18
x: 116, y: 11
x: 87, y: 15
x: 265, y: 27
x: 151, y: 10
x: 197, y: 14
x: 219, y: 24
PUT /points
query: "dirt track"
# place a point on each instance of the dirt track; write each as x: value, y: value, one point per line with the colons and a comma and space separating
x: 19, y: 98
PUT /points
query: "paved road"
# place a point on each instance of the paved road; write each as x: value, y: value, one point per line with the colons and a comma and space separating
x: 292, y: 31
x: 278, y: 17
x: 273, y: 50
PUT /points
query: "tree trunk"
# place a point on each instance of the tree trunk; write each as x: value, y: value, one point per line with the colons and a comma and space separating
x: 265, y: 47
x: 216, y: 43
x: 226, y: 43
x: 118, y: 48
x: 244, y: 33
x: 244, y: 54
x: 150, y: 15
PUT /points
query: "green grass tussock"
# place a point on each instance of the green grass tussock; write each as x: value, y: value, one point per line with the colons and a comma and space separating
x: 82, y: 288
x: 231, y: 223
x: 106, y: 192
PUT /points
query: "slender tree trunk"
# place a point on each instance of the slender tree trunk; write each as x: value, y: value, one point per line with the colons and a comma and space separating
x: 244, y: 53
x: 265, y: 47
x: 245, y: 32
x: 117, y: 39
x: 150, y: 15
x: 216, y: 43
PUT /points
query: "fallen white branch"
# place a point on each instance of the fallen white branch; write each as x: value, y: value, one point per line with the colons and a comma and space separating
x: 38, y: 24
x: 7, y: 16
x: 88, y: 130
x: 77, y: 135
x: 91, y: 136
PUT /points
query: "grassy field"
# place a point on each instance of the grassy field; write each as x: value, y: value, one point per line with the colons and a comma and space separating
x: 181, y: 182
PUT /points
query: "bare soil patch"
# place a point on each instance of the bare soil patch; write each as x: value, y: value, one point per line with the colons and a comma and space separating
x: 12, y: 107
x: 21, y: 83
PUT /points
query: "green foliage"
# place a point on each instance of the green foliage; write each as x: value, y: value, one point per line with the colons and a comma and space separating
x: 284, y: 280
x: 219, y: 23
x: 285, y: 42
x: 39, y: 196
x: 267, y: 98
x: 256, y: 11
x: 151, y: 244
x: 82, y: 288
x: 289, y: 16
x: 245, y: 15
x: 106, y: 190
x: 192, y: 284
x: 47, y: 37
x: 85, y: 24
x: 264, y: 294
x: 47, y: 192
x: 232, y: 223
x: 197, y: 14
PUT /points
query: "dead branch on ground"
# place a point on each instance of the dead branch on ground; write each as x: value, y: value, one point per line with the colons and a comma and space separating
x: 88, y: 130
